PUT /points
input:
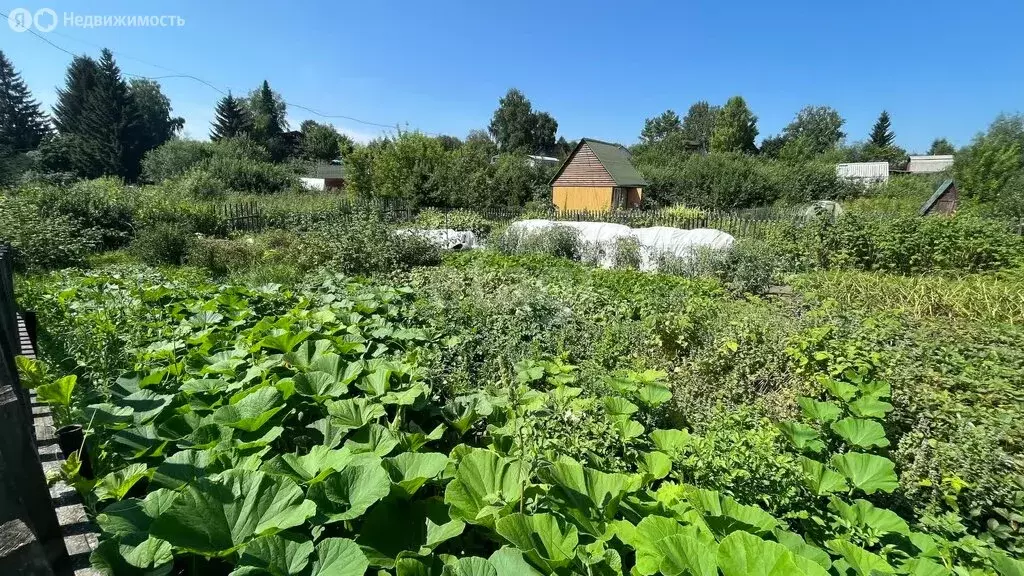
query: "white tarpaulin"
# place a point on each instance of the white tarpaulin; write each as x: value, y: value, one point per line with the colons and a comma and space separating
x: 599, y: 240
x: 662, y: 241
x: 444, y: 238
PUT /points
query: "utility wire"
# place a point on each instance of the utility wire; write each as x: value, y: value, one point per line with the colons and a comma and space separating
x: 177, y: 74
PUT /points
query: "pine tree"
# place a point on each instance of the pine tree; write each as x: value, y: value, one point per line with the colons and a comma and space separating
x: 881, y: 134
x: 78, y: 83
x: 232, y: 119
x: 22, y: 124
x: 268, y: 120
x: 735, y: 128
x: 113, y: 132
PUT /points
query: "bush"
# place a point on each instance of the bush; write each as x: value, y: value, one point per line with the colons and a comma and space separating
x: 200, y: 183
x: 163, y: 243
x: 174, y: 159
x: 729, y: 181
x: 455, y: 220
x: 992, y: 158
x: 222, y: 257
x: 560, y: 241
x: 247, y: 175
x: 363, y: 245
x: 1010, y: 201
x: 102, y: 209
x: 38, y: 241
x: 627, y: 254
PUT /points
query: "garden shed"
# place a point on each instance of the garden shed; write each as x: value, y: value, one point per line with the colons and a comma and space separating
x: 943, y: 201
x: 324, y: 176
x: 597, y: 176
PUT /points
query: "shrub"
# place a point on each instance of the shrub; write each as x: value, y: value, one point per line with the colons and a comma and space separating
x: 222, y: 257
x: 163, y: 243
x: 1010, y: 201
x: 455, y: 220
x: 200, y: 183
x: 38, y: 241
x: 985, y: 166
x: 174, y: 159
x: 246, y: 175
x: 560, y: 241
x: 363, y: 245
x: 102, y: 208
x: 627, y: 253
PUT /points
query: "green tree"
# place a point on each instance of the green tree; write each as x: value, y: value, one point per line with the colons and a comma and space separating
x: 699, y: 124
x: 22, y: 123
x: 772, y: 146
x: 735, y: 128
x: 659, y: 127
x: 818, y: 127
x: 983, y: 168
x: 941, y: 146
x: 231, y: 119
x: 449, y: 143
x: 267, y: 109
x: 481, y: 140
x: 158, y: 126
x: 320, y: 141
x: 881, y: 133
x: 114, y: 131
x: 515, y: 126
x: 346, y: 145
x: 79, y: 81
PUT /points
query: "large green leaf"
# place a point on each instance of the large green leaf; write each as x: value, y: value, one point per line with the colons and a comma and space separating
x: 802, y: 436
x: 111, y: 558
x: 349, y: 493
x: 58, y: 392
x: 425, y: 524
x: 183, y: 468
x: 484, y: 484
x: 305, y: 355
x: 145, y: 404
x: 283, y: 340
x: 277, y: 555
x: 841, y: 390
x: 252, y: 411
x: 864, y: 563
x: 410, y: 470
x: 724, y: 514
x: 866, y: 516
x: 510, y: 562
x: 541, y: 538
x: 328, y: 377
x: 870, y: 407
x: 654, y: 394
x: 797, y: 545
x: 215, y: 517
x: 686, y: 554
x: 465, y: 411
x: 588, y: 496
x: 339, y: 557
x: 867, y: 472
x: 860, y: 433
x: 819, y: 411
x: 354, y: 413
x: 375, y: 439
x: 471, y: 566
x: 117, y: 484
x: 743, y: 554
x: 128, y: 523
x: 311, y: 467
x: 671, y: 442
x: 644, y: 539
x: 820, y: 479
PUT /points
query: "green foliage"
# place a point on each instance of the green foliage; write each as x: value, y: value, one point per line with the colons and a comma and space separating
x: 660, y: 127
x: 320, y: 142
x: 987, y: 164
x: 1010, y: 201
x: 41, y: 241
x: 232, y: 119
x: 881, y: 133
x: 815, y: 129
x: 23, y: 125
x: 163, y: 243
x: 941, y: 146
x: 174, y: 159
x: 515, y: 126
x: 735, y: 128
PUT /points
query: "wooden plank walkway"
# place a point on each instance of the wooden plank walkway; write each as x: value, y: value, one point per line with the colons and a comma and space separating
x: 81, y: 536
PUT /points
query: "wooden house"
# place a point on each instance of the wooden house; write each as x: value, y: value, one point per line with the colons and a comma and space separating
x: 943, y: 201
x: 597, y: 176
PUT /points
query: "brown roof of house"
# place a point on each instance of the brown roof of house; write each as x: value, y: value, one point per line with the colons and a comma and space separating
x: 614, y: 157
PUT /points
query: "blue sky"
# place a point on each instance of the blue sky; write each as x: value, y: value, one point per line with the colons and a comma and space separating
x: 941, y: 68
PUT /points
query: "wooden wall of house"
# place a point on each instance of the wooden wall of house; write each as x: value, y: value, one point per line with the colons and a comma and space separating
x: 595, y: 198
x: 947, y: 203
x: 584, y: 170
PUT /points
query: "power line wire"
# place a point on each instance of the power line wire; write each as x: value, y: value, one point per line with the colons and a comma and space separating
x: 177, y: 74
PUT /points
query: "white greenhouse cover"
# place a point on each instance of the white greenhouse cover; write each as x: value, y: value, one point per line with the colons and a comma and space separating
x: 444, y: 238
x: 665, y: 241
x: 600, y: 240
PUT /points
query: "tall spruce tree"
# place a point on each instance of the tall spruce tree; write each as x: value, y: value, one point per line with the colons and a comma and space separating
x: 113, y: 133
x: 232, y: 119
x: 22, y: 123
x: 79, y: 81
x: 881, y: 134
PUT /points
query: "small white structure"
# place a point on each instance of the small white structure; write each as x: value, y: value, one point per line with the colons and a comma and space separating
x: 444, y: 238
x: 864, y: 172
x: 930, y: 164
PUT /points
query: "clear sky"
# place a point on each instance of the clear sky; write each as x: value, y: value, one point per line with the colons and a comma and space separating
x: 941, y: 67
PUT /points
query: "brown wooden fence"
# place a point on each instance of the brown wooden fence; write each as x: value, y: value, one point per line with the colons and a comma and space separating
x: 30, y: 534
